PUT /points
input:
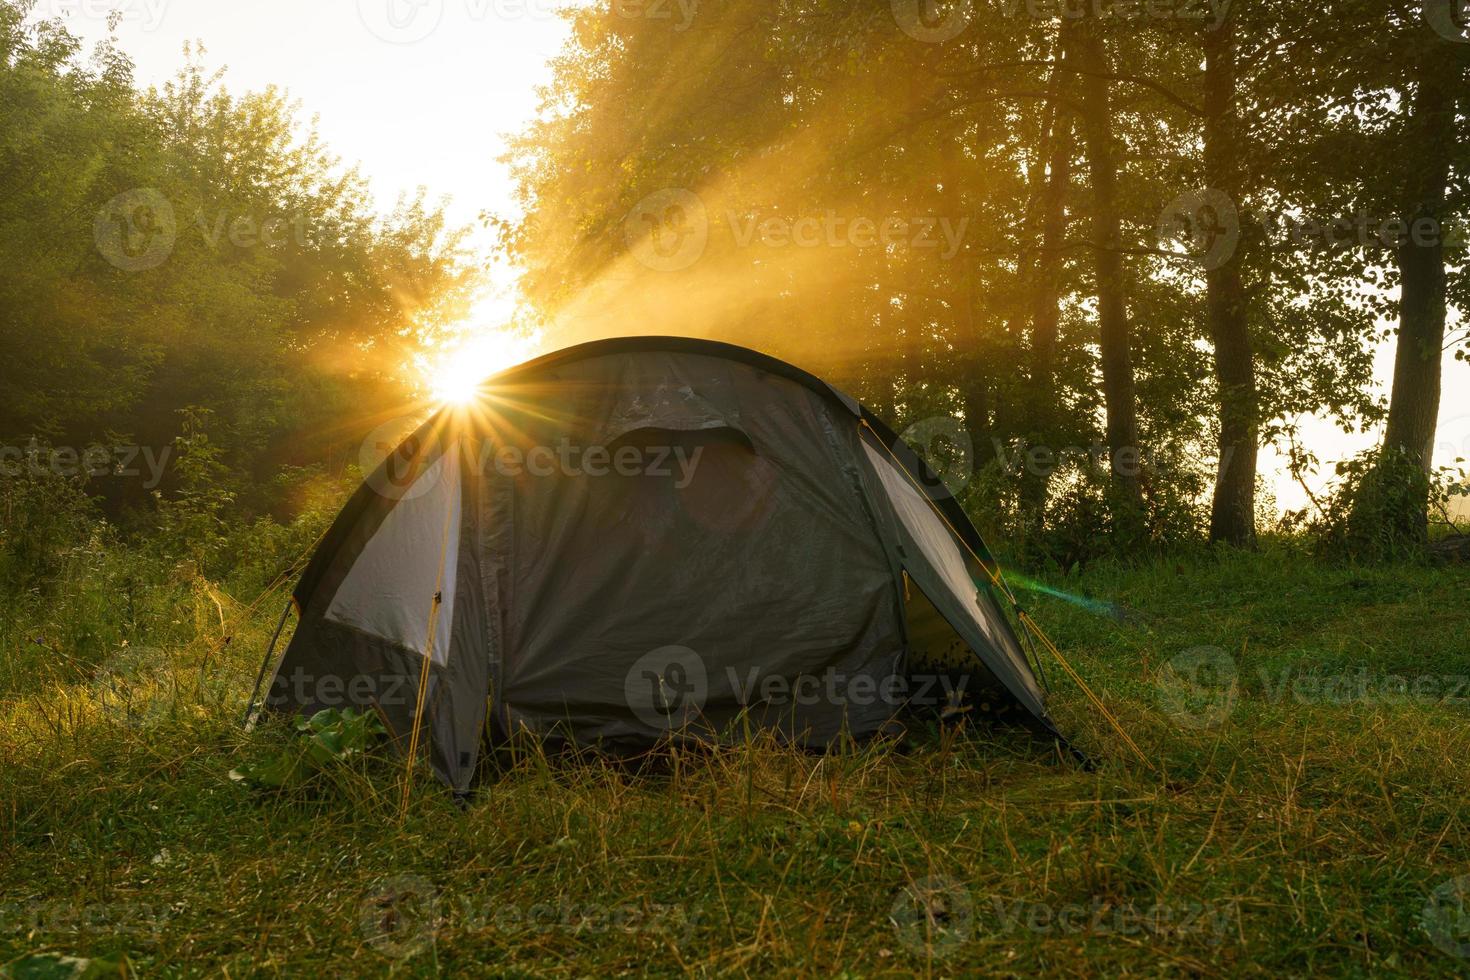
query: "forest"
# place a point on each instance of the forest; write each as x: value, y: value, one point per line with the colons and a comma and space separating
x: 1161, y: 234
x: 1167, y: 230
x: 1103, y: 263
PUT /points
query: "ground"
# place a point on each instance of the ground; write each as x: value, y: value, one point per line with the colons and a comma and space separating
x: 1301, y: 807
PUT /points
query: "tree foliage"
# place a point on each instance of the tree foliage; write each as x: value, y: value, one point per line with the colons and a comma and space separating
x: 706, y: 177
x: 190, y: 253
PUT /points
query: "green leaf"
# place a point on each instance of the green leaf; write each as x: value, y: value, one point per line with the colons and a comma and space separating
x: 59, y: 966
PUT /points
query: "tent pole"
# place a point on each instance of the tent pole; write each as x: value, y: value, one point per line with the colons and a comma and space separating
x: 423, y: 691
x: 1030, y: 642
x: 250, y: 706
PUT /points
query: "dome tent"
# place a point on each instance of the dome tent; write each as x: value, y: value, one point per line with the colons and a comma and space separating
x: 644, y: 535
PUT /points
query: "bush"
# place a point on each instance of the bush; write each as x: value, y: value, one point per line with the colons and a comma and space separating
x: 1380, y: 509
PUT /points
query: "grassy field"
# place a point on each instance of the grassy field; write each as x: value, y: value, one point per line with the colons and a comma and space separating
x: 1305, y: 811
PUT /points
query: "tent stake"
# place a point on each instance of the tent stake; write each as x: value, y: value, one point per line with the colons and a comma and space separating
x: 250, y: 706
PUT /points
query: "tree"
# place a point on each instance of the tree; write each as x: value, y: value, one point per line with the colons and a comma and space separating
x: 1089, y: 53
x: 1417, y: 109
x: 1233, y: 514
x: 188, y: 248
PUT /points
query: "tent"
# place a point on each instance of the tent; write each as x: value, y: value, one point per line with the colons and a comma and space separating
x: 645, y: 536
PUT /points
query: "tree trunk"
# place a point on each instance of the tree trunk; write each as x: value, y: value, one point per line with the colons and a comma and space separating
x: 1046, y: 309
x: 1413, y: 412
x: 1119, y: 389
x: 1233, y: 517
x: 1414, y: 407
x: 957, y: 273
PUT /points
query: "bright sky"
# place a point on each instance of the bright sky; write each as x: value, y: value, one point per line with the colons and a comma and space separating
x: 418, y: 92
x: 423, y: 92
x: 1330, y: 444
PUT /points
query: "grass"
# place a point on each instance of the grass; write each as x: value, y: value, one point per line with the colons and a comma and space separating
x: 1300, y: 818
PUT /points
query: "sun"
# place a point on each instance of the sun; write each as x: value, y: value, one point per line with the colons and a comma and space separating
x: 455, y: 373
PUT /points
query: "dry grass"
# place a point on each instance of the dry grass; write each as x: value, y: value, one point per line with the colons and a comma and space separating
x: 1285, y: 832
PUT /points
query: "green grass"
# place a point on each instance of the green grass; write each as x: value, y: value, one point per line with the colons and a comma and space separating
x: 1284, y: 832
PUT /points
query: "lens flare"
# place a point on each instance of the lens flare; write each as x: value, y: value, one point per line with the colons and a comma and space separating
x: 454, y: 374
x: 1110, y: 609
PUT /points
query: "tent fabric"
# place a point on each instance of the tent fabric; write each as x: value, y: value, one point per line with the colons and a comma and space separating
x: 762, y: 563
x: 934, y: 558
x: 389, y: 592
x: 330, y: 664
x: 644, y: 535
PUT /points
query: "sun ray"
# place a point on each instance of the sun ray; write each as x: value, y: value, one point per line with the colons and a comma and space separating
x: 483, y: 345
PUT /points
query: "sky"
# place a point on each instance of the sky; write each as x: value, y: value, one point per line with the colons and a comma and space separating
x: 420, y: 92
x: 424, y: 93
